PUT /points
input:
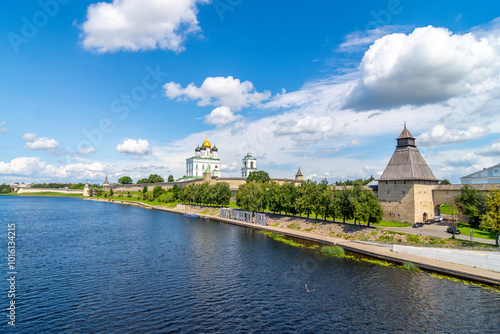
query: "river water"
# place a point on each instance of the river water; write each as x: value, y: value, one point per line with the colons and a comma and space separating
x: 92, y: 267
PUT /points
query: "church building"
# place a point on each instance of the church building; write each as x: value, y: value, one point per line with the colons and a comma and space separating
x: 249, y: 164
x: 204, y: 159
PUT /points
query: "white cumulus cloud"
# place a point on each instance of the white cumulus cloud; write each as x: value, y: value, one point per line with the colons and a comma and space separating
x: 34, y: 167
x: 219, y: 91
x: 22, y: 166
x: 492, y: 150
x: 304, y: 129
x: 307, y: 124
x: 222, y: 116
x: 133, y: 25
x: 430, y: 65
x: 35, y: 143
x: 139, y: 147
x: 440, y: 135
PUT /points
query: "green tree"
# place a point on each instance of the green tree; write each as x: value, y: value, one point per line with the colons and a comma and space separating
x: 142, y: 181
x: 345, y: 204
x: 331, y: 200
x: 363, y: 182
x: 300, y: 200
x: 6, y: 189
x: 186, y: 194
x: 76, y: 186
x: 157, y: 191
x: 111, y: 193
x: 155, y: 178
x: 359, y: 212
x: 259, y: 176
x: 275, y: 197
x: 445, y: 181
x: 309, y: 197
x: 175, y: 191
x: 323, y: 202
x: 471, y: 203
x: 367, y: 208
x: 323, y: 185
x: 491, y: 219
x: 200, y: 193
x: 222, y: 193
x: 170, y: 178
x: 289, y: 197
x: 125, y: 180
x: 251, y: 197
x: 144, y: 190
x: 52, y: 185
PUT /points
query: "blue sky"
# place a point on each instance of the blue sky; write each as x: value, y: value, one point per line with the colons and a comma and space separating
x: 130, y: 87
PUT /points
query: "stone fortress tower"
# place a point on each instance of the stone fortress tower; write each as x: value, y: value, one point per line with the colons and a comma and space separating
x: 249, y: 164
x: 405, y: 189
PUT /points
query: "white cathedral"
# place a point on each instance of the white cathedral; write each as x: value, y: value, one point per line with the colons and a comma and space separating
x: 204, y: 159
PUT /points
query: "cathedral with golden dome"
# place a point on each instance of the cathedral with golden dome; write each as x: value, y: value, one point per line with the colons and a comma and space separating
x: 204, y: 159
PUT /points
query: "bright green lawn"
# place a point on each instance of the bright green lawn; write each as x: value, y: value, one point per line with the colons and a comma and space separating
x: 391, y: 224
x: 446, y: 209
x: 477, y: 233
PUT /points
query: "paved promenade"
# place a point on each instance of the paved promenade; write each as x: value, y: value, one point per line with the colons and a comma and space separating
x: 380, y: 252
x: 437, y: 230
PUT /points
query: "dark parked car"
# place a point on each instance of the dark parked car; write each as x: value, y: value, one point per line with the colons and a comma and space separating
x: 417, y: 225
x: 453, y: 230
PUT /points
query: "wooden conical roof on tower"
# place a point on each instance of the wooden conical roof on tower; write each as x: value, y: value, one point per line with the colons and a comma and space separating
x: 407, y: 164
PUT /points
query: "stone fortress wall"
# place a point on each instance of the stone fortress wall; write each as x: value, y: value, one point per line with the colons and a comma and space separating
x: 49, y: 190
x: 234, y: 183
x: 407, y: 190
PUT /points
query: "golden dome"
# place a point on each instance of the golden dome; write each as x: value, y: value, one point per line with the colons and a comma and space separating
x: 206, y: 143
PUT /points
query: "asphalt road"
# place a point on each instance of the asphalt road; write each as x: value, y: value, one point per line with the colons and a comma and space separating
x: 437, y: 230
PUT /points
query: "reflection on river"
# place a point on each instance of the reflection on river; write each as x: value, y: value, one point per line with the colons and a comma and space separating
x: 91, y: 267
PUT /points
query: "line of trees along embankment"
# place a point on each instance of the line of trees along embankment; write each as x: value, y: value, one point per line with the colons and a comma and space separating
x: 218, y: 194
x: 354, y: 203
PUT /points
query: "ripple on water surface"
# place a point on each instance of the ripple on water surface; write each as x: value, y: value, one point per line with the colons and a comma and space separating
x: 90, y: 267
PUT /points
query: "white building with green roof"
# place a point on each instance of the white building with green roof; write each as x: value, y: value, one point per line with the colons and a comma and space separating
x: 205, y: 158
x: 249, y: 164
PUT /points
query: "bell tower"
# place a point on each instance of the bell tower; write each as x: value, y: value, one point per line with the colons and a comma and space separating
x: 249, y: 164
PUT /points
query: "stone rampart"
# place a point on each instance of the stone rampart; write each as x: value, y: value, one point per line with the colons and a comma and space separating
x: 49, y: 190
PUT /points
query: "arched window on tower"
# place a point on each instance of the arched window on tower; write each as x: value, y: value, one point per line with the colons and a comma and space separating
x: 251, y: 164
